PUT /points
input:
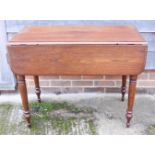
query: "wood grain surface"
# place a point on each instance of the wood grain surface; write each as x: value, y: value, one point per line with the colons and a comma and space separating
x: 78, y: 35
x: 77, y: 50
x: 77, y: 59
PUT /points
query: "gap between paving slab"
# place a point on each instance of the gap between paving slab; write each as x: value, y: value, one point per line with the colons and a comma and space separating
x: 110, y: 112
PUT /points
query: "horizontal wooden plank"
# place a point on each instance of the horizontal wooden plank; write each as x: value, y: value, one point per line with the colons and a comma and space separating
x: 151, y: 46
x: 142, y: 25
x: 150, y: 62
x: 10, y: 35
x: 7, y: 86
x: 148, y: 36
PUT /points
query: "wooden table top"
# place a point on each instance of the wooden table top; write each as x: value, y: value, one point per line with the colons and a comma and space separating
x: 78, y: 35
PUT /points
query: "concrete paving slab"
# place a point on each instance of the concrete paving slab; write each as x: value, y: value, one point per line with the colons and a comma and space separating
x: 110, y: 111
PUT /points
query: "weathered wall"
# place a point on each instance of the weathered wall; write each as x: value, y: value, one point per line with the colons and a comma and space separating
x: 7, y: 80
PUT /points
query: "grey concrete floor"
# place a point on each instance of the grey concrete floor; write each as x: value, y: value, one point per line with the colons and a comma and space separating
x: 110, y: 111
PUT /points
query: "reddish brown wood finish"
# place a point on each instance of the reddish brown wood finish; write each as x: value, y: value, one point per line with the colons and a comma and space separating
x: 37, y: 87
x: 78, y: 35
x: 123, y: 88
x: 131, y: 97
x: 88, y: 59
x: 77, y: 50
x: 23, y: 92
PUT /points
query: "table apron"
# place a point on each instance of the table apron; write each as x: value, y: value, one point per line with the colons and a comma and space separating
x: 77, y: 59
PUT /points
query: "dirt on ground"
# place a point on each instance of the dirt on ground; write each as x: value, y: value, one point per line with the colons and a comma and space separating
x: 109, y: 111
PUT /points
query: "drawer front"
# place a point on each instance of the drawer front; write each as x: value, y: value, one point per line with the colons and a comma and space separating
x: 77, y: 59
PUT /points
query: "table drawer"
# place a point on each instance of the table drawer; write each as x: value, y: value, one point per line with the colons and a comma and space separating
x: 77, y: 59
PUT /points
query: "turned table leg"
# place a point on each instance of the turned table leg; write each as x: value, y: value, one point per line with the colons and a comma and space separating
x: 123, y: 88
x: 131, y: 97
x: 23, y: 92
x: 37, y: 87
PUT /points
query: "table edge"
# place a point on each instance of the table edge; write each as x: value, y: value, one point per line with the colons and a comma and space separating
x: 77, y: 43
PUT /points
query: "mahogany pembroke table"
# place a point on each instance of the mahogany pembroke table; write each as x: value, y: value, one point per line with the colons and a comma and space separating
x: 77, y: 50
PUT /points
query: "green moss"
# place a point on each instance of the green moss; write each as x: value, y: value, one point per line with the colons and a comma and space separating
x: 62, y: 125
x: 6, y: 107
x: 92, y: 127
x: 49, y: 118
x: 48, y: 107
x: 5, y: 110
x: 150, y: 130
